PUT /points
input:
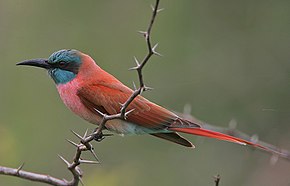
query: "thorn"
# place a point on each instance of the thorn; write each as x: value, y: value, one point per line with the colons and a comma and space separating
x: 133, y: 68
x: 79, y: 171
x: 77, y: 135
x: 103, y: 136
x: 73, y: 143
x: 134, y: 85
x: 94, y: 154
x: 81, y: 181
x: 102, y: 114
x: 142, y: 89
x: 19, y: 168
x: 136, y: 61
x: 88, y: 161
x: 152, y: 7
x: 147, y: 88
x: 144, y: 33
x: 64, y: 160
x: 160, y: 9
x: 85, y: 135
x: 127, y: 113
x: 121, y: 104
x: 154, y: 50
x: 154, y: 47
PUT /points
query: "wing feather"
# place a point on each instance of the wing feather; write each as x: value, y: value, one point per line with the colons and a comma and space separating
x: 108, y: 97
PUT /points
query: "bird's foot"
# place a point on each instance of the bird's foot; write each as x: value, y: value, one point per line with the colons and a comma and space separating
x: 101, y: 136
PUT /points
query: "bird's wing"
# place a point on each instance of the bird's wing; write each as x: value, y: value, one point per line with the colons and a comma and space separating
x: 108, y: 98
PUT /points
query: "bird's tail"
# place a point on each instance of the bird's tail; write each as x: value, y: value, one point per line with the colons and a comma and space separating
x: 220, y: 136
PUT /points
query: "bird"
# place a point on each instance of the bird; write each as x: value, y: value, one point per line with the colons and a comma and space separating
x: 88, y: 90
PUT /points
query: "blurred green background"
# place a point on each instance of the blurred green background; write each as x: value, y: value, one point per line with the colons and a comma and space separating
x: 227, y: 59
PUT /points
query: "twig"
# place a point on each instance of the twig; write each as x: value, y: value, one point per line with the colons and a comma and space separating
x: 33, y: 176
x: 139, y: 66
x: 217, y: 179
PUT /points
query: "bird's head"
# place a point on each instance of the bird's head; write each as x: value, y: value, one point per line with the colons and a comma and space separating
x: 63, y: 66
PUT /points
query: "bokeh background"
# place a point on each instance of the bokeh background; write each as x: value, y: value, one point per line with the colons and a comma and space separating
x: 228, y: 59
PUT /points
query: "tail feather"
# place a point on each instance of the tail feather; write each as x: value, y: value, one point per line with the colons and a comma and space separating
x: 220, y: 136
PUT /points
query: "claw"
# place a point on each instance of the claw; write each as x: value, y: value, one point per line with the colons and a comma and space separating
x: 100, y: 138
x: 108, y: 135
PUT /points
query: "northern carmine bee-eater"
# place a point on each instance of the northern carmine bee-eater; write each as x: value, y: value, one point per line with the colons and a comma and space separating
x: 85, y: 89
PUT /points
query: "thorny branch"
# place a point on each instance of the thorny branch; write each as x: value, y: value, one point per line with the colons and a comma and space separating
x: 217, y: 179
x: 32, y: 176
x: 85, y: 140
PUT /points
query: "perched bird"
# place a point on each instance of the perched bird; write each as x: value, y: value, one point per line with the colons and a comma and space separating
x: 87, y: 90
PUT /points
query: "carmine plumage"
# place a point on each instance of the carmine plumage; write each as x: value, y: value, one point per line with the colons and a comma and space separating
x: 84, y: 88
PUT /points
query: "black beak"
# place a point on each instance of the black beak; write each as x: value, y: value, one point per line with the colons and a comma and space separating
x: 42, y: 63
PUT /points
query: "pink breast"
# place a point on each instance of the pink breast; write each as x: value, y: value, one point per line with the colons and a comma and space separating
x: 68, y: 94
